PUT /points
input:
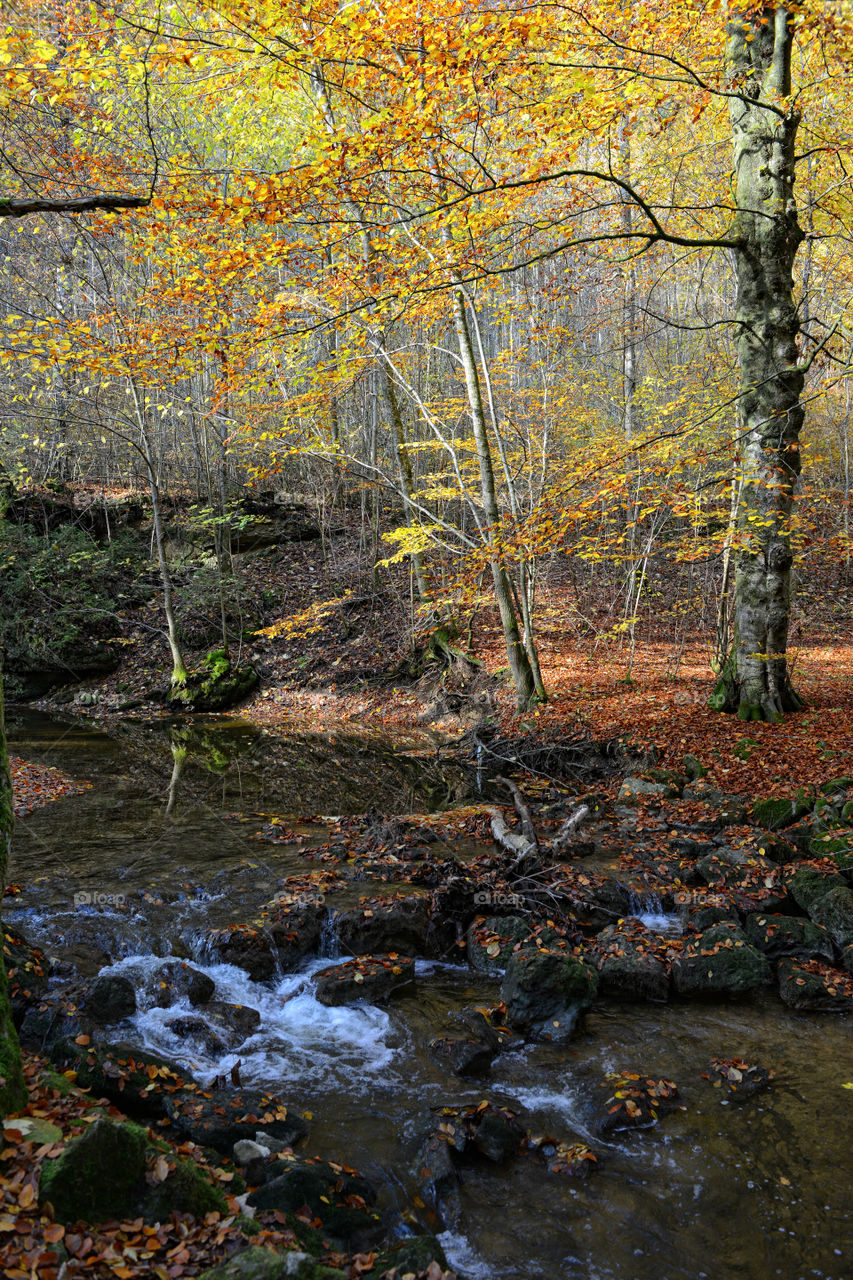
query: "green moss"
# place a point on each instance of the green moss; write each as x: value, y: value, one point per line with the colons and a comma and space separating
x: 773, y: 813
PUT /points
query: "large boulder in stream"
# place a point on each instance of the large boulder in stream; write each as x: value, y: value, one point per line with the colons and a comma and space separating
x: 833, y: 911
x: 815, y: 987
x: 627, y: 963
x: 177, y: 980
x: 282, y: 935
x: 110, y: 998
x: 810, y: 883
x: 778, y: 935
x: 371, y: 978
x: 491, y: 940
x: 546, y: 993
x: 720, y: 962
x: 402, y: 925
x: 115, y: 1171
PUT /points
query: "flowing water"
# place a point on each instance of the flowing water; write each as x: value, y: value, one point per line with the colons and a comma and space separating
x: 140, y: 865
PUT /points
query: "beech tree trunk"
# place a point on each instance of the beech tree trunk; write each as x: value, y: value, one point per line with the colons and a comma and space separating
x: 755, y: 681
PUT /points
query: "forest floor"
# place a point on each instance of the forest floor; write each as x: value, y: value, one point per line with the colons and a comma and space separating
x: 335, y: 645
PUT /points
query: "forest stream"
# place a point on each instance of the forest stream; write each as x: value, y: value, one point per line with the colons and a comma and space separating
x: 162, y: 849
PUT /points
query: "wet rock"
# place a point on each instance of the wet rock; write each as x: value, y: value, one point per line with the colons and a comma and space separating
x: 463, y: 1057
x: 178, y: 980
x: 834, y: 912
x: 623, y: 955
x: 371, y: 978
x: 808, y: 884
x: 102, y: 1176
x: 47, y: 1026
x: 403, y: 926
x: 736, y: 1076
x: 26, y: 971
x: 633, y: 1102
x: 490, y: 941
x: 720, y: 962
x: 489, y: 1027
x: 775, y: 814
x: 815, y: 987
x: 277, y: 941
x: 233, y: 1022
x: 497, y: 1135
x: 574, y: 1159
x: 701, y: 909
x: 338, y: 1196
x: 778, y: 935
x: 193, y: 1027
x: 109, y: 999
x: 546, y: 993
x: 136, y: 1081
x: 436, y: 1175
x: 411, y: 1257
x: 220, y: 1117
x: 247, y: 1150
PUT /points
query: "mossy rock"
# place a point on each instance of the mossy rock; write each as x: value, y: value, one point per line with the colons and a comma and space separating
x: 816, y: 989
x: 341, y: 1201
x: 834, y: 911
x: 831, y: 844
x: 101, y: 1176
x: 410, y: 1257
x: 216, y: 687
x: 778, y: 935
x: 694, y: 768
x: 775, y: 813
x: 835, y: 785
x: 484, y: 935
x: 263, y: 1264
x: 547, y: 993
x: 808, y: 884
x: 720, y: 962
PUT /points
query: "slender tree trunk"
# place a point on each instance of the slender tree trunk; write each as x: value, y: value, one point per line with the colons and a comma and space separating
x: 179, y: 669
x: 756, y: 682
x: 519, y: 663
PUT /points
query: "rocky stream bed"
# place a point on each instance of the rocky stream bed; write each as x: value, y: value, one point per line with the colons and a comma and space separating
x: 595, y: 1027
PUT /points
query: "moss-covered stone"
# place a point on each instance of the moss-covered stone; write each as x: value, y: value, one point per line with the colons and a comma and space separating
x: 216, y: 686
x: 101, y: 1176
x: 778, y: 935
x: 547, y: 993
x: 834, y: 911
x: 410, y: 1257
x: 808, y: 884
x: 775, y: 813
x: 694, y: 768
x: 263, y: 1264
x: 835, y: 785
x: 341, y: 1201
x: 720, y: 962
x: 490, y: 942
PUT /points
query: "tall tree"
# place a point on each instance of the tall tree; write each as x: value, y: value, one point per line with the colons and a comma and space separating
x: 756, y: 682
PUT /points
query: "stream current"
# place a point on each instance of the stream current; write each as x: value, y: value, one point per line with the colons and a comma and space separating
x: 141, y: 865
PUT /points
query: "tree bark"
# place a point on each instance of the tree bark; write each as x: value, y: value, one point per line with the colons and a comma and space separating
x: 755, y: 681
